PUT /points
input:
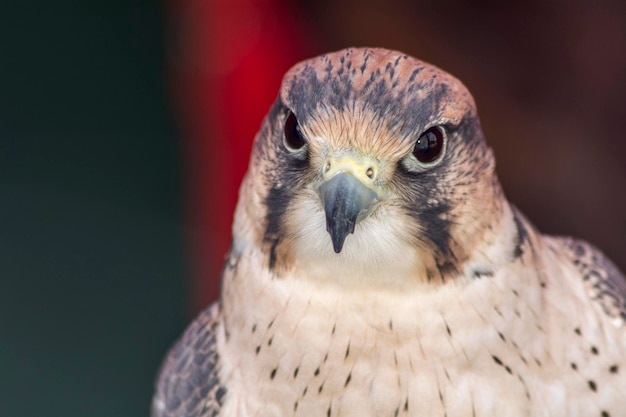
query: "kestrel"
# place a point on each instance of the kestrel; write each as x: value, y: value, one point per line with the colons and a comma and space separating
x: 377, y: 269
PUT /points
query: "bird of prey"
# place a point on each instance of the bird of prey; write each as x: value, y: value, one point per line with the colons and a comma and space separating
x: 377, y: 269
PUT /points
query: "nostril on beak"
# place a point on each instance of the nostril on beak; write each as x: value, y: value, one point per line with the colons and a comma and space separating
x: 369, y: 172
x: 327, y: 167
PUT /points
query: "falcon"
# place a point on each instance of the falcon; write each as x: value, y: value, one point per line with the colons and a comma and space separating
x: 377, y: 269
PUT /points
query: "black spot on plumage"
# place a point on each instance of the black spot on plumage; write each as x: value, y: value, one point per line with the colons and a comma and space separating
x: 257, y: 349
x: 594, y: 350
x: 613, y: 369
x: 482, y: 273
x: 364, y: 65
x: 522, y: 235
x: 573, y: 366
x: 519, y: 377
x: 592, y: 275
x: 329, y: 411
x: 498, y: 361
x: 577, y: 331
x: 605, y: 414
x: 592, y: 385
x: 348, y: 379
x: 273, y: 373
x: 295, y: 372
x: 317, y: 371
x: 396, y: 62
x: 219, y: 395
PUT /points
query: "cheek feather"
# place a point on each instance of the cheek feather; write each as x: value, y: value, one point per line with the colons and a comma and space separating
x: 382, y: 252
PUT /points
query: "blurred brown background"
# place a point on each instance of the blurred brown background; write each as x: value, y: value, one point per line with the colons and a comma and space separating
x: 126, y: 125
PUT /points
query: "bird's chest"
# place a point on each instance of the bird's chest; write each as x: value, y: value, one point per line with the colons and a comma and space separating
x: 490, y: 347
x: 371, y: 356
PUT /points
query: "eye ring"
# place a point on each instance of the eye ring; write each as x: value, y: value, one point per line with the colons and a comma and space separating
x: 293, y: 138
x: 429, y: 146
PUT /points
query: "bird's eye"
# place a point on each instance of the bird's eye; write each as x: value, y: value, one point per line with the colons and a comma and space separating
x: 429, y: 145
x: 294, y: 139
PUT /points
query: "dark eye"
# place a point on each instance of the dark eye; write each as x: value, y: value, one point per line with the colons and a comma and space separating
x: 294, y: 140
x: 429, y: 145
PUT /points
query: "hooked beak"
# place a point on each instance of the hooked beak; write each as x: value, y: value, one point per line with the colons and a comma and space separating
x: 345, y: 197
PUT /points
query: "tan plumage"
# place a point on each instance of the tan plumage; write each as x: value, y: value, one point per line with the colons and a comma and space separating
x: 377, y: 269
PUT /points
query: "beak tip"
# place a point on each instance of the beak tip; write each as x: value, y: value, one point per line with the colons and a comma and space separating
x: 337, y: 247
x: 344, y: 198
x: 338, y: 234
x: 338, y: 242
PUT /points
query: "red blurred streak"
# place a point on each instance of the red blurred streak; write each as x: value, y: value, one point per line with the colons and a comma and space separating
x: 225, y: 69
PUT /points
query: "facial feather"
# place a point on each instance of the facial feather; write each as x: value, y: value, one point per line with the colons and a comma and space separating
x: 431, y: 220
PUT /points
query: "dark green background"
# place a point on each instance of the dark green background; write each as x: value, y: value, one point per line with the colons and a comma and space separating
x: 91, y: 263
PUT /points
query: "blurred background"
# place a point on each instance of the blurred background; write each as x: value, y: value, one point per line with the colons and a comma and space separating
x: 126, y: 126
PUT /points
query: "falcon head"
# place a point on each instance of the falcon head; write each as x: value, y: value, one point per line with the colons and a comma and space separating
x: 371, y: 169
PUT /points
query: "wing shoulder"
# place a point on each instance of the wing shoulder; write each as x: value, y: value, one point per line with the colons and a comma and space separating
x: 604, y: 282
x: 188, y: 383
